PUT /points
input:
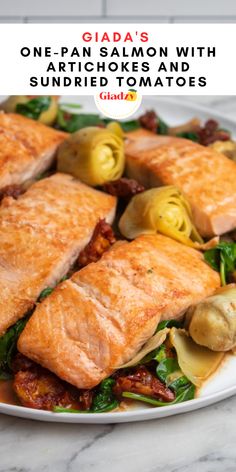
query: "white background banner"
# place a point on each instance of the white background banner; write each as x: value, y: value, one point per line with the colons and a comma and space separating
x: 161, y: 59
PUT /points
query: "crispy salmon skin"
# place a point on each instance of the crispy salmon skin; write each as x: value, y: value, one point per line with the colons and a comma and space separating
x: 206, y: 177
x: 41, y: 235
x: 27, y: 148
x: 100, y: 318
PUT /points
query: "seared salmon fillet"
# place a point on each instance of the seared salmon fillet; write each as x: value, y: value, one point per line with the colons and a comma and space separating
x: 100, y: 318
x: 27, y: 148
x: 41, y: 235
x: 206, y: 177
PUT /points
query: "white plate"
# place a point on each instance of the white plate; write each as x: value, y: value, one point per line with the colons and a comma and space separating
x: 223, y: 384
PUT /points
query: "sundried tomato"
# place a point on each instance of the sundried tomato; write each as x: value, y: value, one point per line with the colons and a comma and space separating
x: 210, y: 133
x: 102, y: 239
x: 38, y: 388
x: 123, y: 188
x: 142, y: 381
x: 149, y: 120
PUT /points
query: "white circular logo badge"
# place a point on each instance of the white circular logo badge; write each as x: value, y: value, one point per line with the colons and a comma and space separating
x: 118, y: 105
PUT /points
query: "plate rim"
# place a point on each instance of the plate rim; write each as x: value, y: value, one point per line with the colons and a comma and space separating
x: 141, y: 414
x: 118, y: 417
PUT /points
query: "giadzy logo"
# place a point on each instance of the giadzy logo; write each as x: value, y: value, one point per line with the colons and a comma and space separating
x: 117, y: 104
x: 130, y: 96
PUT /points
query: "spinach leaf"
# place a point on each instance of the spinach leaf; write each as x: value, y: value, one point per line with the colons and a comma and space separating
x: 161, y: 354
x: 47, y: 291
x: 223, y: 259
x: 157, y: 355
x: 163, y: 128
x: 5, y: 375
x: 166, y: 367
x: 188, y: 135
x: 8, y: 347
x: 168, y: 324
x: 60, y: 409
x: 212, y: 257
x: 33, y: 108
x: 184, y: 395
x: 65, y: 277
x: 131, y: 125
x: 104, y: 399
x: 169, y: 369
x: 127, y: 126
x: 9, y: 340
x: 72, y: 122
x: 178, y: 384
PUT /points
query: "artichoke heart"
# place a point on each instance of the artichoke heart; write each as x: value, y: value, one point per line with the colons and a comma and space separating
x: 115, y: 128
x: 93, y: 155
x: 196, y: 362
x: 212, y: 323
x: 160, y: 210
x: 47, y: 117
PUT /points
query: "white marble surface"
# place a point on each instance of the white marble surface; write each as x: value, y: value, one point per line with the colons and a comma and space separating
x: 201, y: 441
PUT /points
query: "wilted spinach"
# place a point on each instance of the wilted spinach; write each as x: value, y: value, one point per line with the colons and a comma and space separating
x: 168, y: 371
x: 131, y: 125
x: 72, y: 122
x: 9, y: 340
x: 168, y: 324
x: 183, y: 395
x: 33, y: 108
x: 104, y: 400
x: 157, y: 355
x: 189, y: 135
x: 47, y: 291
x: 127, y: 126
x: 223, y: 259
x: 163, y: 128
x: 8, y: 347
x: 61, y: 409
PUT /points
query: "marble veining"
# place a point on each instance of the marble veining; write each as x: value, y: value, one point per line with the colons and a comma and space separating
x: 201, y: 441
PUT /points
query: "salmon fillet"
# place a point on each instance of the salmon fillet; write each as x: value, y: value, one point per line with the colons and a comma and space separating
x: 100, y: 318
x: 41, y: 235
x: 27, y: 148
x: 206, y: 177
